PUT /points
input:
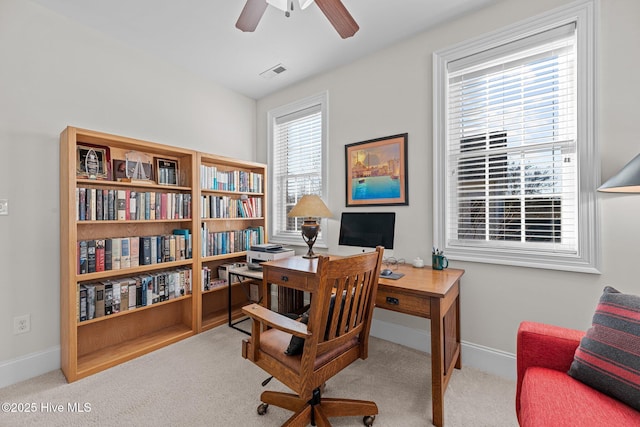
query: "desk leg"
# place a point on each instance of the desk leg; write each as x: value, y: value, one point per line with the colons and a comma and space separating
x: 445, y: 348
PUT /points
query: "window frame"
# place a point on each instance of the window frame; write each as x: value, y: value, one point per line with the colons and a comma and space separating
x: 588, y: 258
x: 288, y: 237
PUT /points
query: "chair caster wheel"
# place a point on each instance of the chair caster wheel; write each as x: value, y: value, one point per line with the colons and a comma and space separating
x: 368, y: 420
x: 262, y: 409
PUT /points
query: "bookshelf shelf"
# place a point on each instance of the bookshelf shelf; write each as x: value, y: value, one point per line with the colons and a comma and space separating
x: 105, y: 340
x: 102, y: 359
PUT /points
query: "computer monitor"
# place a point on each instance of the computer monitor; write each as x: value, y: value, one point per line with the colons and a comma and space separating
x: 367, y: 229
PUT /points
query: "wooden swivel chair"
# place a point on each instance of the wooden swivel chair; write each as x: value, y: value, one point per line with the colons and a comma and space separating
x: 337, y: 334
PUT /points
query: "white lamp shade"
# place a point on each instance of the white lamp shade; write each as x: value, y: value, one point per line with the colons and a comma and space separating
x: 310, y: 206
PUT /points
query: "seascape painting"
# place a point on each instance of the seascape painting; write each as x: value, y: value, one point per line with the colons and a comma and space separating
x: 377, y: 172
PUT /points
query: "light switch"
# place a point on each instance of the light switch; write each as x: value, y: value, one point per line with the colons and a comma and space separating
x: 4, y: 206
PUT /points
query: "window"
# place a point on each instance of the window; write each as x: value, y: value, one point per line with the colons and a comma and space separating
x: 514, y: 151
x: 297, y: 147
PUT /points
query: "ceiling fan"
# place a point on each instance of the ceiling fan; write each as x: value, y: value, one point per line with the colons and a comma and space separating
x: 334, y: 10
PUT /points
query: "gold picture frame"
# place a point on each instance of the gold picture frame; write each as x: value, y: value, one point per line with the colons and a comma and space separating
x: 376, y: 172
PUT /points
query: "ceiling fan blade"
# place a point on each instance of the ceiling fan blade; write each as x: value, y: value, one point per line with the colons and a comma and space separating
x: 339, y: 17
x: 251, y: 15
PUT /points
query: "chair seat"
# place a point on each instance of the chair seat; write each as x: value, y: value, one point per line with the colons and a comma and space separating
x: 553, y: 398
x: 274, y: 342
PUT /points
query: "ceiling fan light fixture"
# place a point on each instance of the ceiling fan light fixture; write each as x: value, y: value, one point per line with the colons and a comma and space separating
x: 305, y: 4
x: 283, y: 5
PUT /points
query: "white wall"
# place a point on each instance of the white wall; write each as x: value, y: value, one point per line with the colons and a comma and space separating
x: 56, y: 73
x: 390, y: 92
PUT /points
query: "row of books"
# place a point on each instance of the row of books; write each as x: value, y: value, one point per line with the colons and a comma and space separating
x: 226, y: 242
x: 228, y: 207
x: 107, y: 297
x: 211, y: 178
x: 127, y: 252
x: 95, y: 204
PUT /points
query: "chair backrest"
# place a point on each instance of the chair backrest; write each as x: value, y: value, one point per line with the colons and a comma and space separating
x: 342, y: 306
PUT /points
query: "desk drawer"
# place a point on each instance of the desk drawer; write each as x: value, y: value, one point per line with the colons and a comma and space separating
x: 408, y: 304
x: 286, y: 278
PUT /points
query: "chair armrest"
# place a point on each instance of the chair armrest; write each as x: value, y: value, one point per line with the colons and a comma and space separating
x: 546, y: 346
x: 276, y: 320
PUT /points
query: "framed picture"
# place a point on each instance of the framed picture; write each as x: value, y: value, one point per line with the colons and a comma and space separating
x: 376, y: 172
x: 120, y: 172
x: 167, y: 171
x: 92, y: 161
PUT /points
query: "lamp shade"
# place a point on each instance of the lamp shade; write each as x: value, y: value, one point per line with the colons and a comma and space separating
x: 310, y: 206
x: 625, y: 181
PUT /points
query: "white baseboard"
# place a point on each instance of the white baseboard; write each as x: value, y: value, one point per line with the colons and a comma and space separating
x: 29, y: 366
x: 486, y: 359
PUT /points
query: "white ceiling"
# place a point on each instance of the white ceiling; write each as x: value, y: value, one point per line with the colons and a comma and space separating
x: 200, y: 35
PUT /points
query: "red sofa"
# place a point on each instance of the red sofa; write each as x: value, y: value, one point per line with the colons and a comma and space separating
x: 547, y: 396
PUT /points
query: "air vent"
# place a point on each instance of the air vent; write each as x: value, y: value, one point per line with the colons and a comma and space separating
x: 273, y: 71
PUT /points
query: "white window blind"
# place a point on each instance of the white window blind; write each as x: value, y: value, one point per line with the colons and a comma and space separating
x: 511, y: 145
x: 297, y: 168
x: 515, y: 155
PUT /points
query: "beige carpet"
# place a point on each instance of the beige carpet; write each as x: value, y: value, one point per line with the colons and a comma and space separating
x: 204, y: 381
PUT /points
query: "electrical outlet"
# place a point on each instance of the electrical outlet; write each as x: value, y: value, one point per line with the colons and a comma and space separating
x: 21, y: 324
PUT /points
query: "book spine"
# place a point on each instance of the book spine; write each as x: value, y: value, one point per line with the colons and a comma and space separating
x: 116, y: 244
x: 145, y: 250
x: 121, y: 205
x: 134, y: 251
x: 100, y: 255
x: 108, y: 254
x: 91, y: 256
x: 83, y: 265
x: 82, y: 313
x: 125, y: 255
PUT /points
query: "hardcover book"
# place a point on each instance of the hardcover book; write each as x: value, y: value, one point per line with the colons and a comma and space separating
x: 124, y: 295
x: 108, y: 298
x: 133, y: 212
x: 116, y: 244
x: 134, y: 251
x: 82, y: 313
x: 153, y: 243
x: 99, y: 299
x: 83, y: 266
x: 133, y: 293
x: 145, y: 250
x: 91, y: 256
x: 100, y: 255
x: 121, y: 205
x: 115, y: 304
x: 125, y: 254
x: 108, y: 254
x: 91, y: 302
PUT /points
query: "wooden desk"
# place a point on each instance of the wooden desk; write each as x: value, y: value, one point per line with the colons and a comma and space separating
x: 421, y: 292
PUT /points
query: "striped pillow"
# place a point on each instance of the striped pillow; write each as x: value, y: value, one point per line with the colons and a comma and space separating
x: 608, y: 358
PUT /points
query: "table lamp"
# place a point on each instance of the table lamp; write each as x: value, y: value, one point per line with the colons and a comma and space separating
x: 625, y: 181
x: 310, y: 206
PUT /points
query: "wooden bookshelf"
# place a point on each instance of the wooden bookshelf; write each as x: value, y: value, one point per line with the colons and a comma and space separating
x: 90, y: 346
x: 213, y: 304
